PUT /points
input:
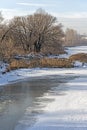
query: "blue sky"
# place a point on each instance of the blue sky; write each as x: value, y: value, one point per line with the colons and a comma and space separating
x: 72, y: 13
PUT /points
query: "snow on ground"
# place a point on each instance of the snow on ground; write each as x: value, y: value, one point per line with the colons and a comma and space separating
x: 2, y: 67
x: 20, y: 74
x: 75, y: 50
x: 71, y: 51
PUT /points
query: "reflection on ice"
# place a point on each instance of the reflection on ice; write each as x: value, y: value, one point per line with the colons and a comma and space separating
x: 65, y: 111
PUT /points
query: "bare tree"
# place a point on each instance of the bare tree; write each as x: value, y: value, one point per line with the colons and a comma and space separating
x: 1, y: 17
x: 36, y: 32
x: 72, y: 38
x: 45, y: 30
x: 1, y: 34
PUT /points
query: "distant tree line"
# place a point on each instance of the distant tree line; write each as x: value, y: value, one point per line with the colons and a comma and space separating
x: 73, y: 38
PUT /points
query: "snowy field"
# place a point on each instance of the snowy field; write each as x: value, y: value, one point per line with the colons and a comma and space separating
x: 74, y: 50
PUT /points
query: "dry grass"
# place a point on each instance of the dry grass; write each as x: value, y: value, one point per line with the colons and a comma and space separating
x: 82, y: 57
x: 16, y: 64
x: 44, y: 62
x: 51, y: 62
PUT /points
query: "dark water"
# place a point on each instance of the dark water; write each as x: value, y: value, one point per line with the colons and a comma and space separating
x: 16, y: 98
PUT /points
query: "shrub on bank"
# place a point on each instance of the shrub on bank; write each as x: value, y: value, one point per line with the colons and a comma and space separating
x: 82, y: 57
x: 43, y: 62
x: 47, y: 62
x: 53, y: 62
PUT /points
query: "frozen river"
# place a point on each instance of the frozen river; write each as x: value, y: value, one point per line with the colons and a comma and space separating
x: 49, y: 99
x: 56, y: 102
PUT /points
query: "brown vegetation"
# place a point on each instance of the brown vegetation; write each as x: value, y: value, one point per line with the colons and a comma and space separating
x: 82, y: 57
x: 39, y: 32
x: 43, y: 62
x: 73, y: 38
x: 51, y: 62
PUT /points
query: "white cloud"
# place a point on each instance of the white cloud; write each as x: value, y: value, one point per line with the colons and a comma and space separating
x: 33, y: 4
x: 71, y: 15
x: 10, y: 13
x: 76, y: 20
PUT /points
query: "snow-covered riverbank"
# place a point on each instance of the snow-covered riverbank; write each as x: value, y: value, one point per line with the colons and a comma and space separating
x: 20, y: 74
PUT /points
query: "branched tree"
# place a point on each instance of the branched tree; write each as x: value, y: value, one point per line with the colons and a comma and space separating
x: 72, y: 38
x: 1, y: 34
x: 37, y: 32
